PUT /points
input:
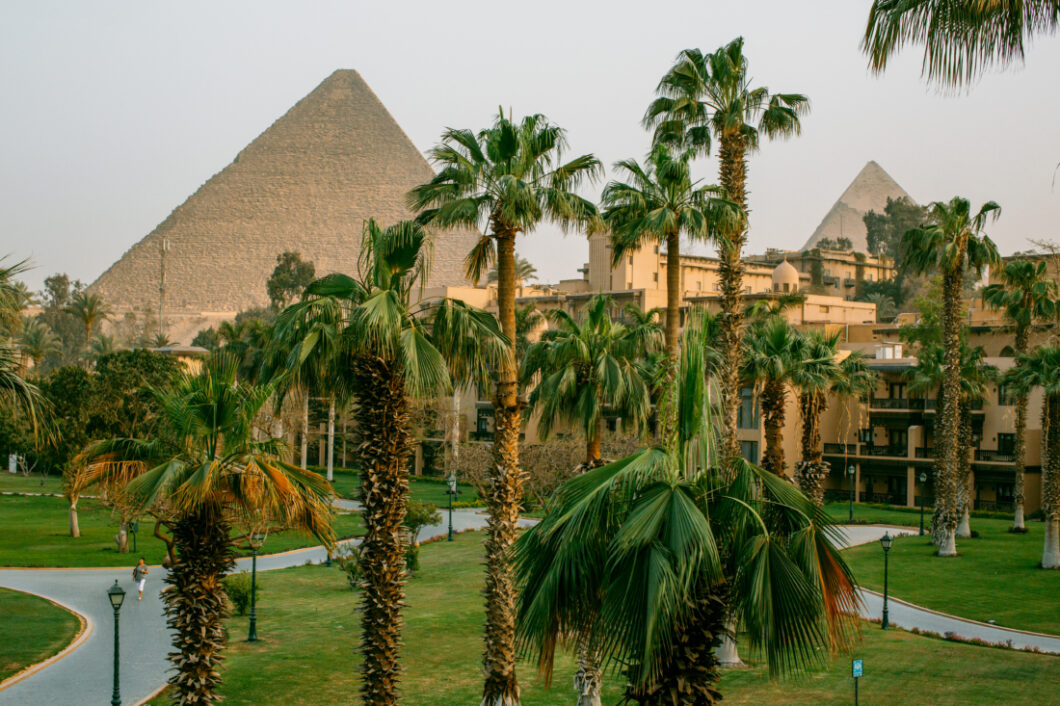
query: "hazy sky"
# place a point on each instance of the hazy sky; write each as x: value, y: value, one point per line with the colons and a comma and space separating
x: 113, y: 113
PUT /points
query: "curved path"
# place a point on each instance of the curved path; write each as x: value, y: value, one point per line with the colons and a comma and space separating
x: 84, y: 676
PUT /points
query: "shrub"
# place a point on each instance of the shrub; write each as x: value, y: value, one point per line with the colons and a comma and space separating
x: 237, y: 586
x: 348, y: 558
x: 419, y: 514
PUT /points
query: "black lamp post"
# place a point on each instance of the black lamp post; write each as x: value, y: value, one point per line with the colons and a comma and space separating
x: 116, y: 594
x: 255, y: 543
x: 885, y: 541
x: 923, y: 480
x: 451, y: 480
x: 135, y: 529
x: 850, y: 472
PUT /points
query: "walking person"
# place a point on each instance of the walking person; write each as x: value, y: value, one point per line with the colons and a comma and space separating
x: 140, y: 577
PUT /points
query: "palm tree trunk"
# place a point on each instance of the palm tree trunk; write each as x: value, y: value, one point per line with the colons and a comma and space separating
x: 305, y: 430
x: 773, y: 396
x: 1021, y: 442
x: 75, y: 529
x: 965, y: 483
x: 589, y: 674
x: 1051, y: 482
x: 196, y: 606
x: 812, y: 470
x: 501, y: 686
x: 733, y: 176
x: 592, y: 448
x: 946, y: 516
x: 673, y: 292
x: 331, y: 438
x: 383, y: 452
x: 122, y: 538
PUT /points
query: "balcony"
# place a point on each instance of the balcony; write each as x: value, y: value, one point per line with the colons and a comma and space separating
x: 993, y: 456
x: 830, y: 280
x: 850, y: 282
x: 840, y: 448
x: 895, y: 450
x: 901, y: 403
x: 931, y: 405
x: 922, y: 452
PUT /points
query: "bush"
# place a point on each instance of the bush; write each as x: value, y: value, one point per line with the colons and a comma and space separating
x: 412, y: 558
x: 348, y: 558
x: 237, y: 586
x: 418, y: 515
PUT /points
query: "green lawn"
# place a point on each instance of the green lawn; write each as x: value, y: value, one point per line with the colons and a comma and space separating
x: 431, y: 490
x: 18, y: 483
x: 895, y: 515
x: 32, y: 630
x: 309, y: 630
x: 994, y: 578
x: 34, y: 532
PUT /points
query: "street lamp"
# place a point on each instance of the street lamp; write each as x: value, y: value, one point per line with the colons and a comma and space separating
x: 116, y: 594
x: 885, y: 541
x: 850, y: 472
x: 135, y: 529
x: 451, y: 480
x: 923, y: 479
x: 255, y: 543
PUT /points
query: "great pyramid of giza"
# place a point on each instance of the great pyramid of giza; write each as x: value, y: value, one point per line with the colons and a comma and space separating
x: 868, y: 192
x: 307, y: 184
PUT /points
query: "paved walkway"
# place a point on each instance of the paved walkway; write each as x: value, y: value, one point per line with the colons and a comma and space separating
x: 84, y: 676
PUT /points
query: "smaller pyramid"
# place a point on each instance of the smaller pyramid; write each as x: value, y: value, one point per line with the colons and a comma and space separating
x: 846, y: 219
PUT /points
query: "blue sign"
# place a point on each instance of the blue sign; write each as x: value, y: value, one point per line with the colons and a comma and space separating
x: 855, y: 668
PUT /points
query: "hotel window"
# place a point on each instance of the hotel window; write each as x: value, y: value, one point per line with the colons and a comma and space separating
x: 787, y: 287
x: 1006, y: 444
x: 699, y: 286
x: 656, y: 249
x: 747, y: 413
x: 1005, y: 396
x: 749, y: 450
x: 631, y: 259
x: 655, y: 276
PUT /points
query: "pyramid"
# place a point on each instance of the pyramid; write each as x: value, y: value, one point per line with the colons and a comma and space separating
x: 868, y: 192
x: 306, y: 184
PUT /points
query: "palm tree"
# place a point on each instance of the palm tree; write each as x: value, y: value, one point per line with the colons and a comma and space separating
x: 961, y: 38
x: 1041, y: 368
x: 976, y: 376
x: 204, y: 474
x: 637, y: 555
x: 38, y: 341
x: 585, y: 368
x: 91, y: 310
x: 393, y: 353
x: 13, y: 387
x: 774, y: 351
x: 100, y: 346
x: 1026, y: 294
x: 705, y: 98
x: 815, y: 374
x: 524, y: 270
x: 505, y: 180
x: 951, y: 244
x: 855, y: 382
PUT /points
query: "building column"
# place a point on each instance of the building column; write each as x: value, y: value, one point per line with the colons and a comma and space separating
x: 857, y: 483
x: 910, y: 486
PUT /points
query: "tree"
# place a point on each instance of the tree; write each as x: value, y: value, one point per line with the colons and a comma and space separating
x: 636, y: 554
x: 952, y: 244
x: 855, y: 382
x: 290, y: 276
x: 505, y: 180
x: 15, y: 391
x: 814, y: 374
x: 38, y: 341
x: 706, y: 97
x: 1025, y: 294
x: 205, y: 473
x: 394, y: 353
x: 961, y: 38
x: 90, y: 310
x: 884, y: 233
x: 524, y: 271
x: 1041, y: 368
x: 585, y: 368
x: 774, y: 350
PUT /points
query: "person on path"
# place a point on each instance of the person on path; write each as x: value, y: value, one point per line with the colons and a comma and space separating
x: 140, y: 577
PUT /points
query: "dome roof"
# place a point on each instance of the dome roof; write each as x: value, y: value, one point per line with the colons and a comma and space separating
x: 785, y: 273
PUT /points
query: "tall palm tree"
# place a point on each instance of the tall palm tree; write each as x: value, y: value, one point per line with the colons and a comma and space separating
x: 952, y: 244
x: 855, y: 382
x: 395, y: 352
x: 205, y: 473
x: 1041, y: 368
x: 524, y: 270
x: 505, y: 181
x: 90, y: 310
x: 961, y: 38
x: 660, y: 202
x: 705, y: 98
x: 637, y: 553
x: 585, y: 368
x: 774, y: 351
x: 38, y: 341
x: 1025, y: 294
x: 976, y: 375
x: 100, y: 346
x: 14, y: 389
x: 813, y: 376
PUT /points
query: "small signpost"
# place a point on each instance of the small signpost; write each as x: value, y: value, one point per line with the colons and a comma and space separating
x: 856, y: 670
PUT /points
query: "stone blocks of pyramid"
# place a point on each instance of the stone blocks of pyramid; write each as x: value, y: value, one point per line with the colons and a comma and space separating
x: 868, y: 192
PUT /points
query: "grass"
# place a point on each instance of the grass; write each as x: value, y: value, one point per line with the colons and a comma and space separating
x: 34, y: 531
x: 18, y: 483
x: 32, y: 630
x: 996, y: 577
x: 309, y: 631
x: 431, y: 490
x: 868, y: 513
